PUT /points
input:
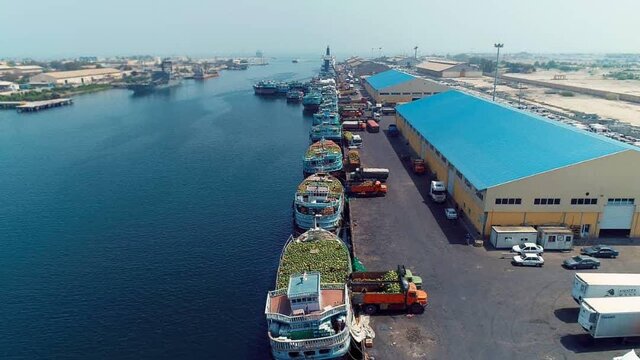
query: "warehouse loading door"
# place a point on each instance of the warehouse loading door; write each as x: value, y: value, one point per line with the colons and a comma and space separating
x: 616, y: 220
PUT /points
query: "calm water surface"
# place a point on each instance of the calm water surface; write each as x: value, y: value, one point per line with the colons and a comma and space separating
x: 148, y: 227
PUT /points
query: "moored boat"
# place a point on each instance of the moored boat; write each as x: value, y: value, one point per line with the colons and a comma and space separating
x: 312, y: 101
x: 309, y: 313
x: 265, y: 87
x: 326, y: 117
x: 326, y: 131
x: 322, y: 156
x: 319, y: 200
x: 294, y: 95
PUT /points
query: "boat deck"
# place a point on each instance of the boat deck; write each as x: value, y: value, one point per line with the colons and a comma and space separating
x: 280, y: 304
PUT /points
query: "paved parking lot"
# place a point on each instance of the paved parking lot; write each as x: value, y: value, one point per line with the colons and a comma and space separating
x: 480, y: 306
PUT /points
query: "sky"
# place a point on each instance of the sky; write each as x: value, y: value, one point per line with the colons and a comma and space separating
x: 44, y: 29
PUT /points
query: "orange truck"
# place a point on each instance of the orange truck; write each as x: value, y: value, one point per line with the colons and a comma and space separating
x: 367, y: 187
x: 376, y: 291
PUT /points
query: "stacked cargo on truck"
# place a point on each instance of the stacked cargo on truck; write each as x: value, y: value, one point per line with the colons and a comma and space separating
x: 374, y: 291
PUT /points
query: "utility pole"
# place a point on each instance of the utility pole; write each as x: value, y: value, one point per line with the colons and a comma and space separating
x: 415, y: 52
x: 495, y: 78
x: 380, y: 51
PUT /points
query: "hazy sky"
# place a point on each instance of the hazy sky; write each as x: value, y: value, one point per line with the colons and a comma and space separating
x: 55, y: 28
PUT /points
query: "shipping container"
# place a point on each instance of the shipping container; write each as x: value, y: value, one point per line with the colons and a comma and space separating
x: 610, y: 317
x: 373, y: 126
x: 589, y: 285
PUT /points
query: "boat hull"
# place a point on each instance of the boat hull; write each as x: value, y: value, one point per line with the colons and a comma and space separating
x: 262, y: 91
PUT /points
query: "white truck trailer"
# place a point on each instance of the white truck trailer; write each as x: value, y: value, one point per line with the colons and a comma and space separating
x: 593, y: 285
x: 610, y: 317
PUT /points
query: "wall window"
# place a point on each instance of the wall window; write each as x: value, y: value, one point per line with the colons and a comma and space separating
x: 406, y: 93
x: 546, y: 201
x: 479, y: 195
x: 459, y: 174
x: 395, y: 93
x: 620, y: 201
x: 384, y: 93
x: 508, y: 201
x: 584, y: 201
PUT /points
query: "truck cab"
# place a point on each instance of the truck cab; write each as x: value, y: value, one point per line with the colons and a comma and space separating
x: 438, y: 191
x: 355, y: 142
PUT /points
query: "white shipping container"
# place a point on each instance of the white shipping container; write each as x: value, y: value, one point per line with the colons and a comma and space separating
x: 594, y: 285
x: 505, y: 237
x: 610, y: 317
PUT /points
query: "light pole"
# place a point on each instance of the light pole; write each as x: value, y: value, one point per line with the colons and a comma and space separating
x: 495, y: 78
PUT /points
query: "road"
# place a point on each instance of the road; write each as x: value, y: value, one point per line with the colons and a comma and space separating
x: 480, y: 306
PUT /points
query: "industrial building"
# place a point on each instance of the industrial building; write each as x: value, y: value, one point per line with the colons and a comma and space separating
x: 506, y: 167
x: 448, y: 69
x: 393, y: 86
x: 77, y: 77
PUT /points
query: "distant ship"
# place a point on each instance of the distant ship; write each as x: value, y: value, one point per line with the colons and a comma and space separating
x: 320, y: 200
x: 322, y: 156
x: 201, y: 72
x: 312, y: 101
x: 265, y: 87
x: 294, y: 96
x: 295, y: 61
x: 160, y: 80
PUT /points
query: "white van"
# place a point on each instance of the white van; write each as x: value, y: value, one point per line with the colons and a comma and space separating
x: 438, y: 191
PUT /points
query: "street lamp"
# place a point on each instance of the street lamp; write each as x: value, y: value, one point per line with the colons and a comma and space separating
x: 495, y: 78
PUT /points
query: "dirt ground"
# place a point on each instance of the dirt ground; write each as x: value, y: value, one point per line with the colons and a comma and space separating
x: 613, y: 109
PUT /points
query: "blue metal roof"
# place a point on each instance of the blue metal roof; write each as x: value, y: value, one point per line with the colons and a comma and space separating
x: 492, y: 144
x: 388, y: 78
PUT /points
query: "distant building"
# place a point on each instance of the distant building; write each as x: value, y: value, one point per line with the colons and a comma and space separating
x: 393, y: 86
x: 366, y: 67
x: 8, y: 86
x: 448, y: 69
x: 20, y: 69
x: 27, y: 69
x: 77, y: 77
x: 90, y: 59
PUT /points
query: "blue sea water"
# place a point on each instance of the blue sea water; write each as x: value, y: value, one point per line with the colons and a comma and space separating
x: 148, y: 227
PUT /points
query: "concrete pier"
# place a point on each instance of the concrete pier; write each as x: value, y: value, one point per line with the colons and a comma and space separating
x: 44, y: 104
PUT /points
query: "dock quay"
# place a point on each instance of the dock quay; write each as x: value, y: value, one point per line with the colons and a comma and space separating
x: 32, y: 106
x: 11, y: 104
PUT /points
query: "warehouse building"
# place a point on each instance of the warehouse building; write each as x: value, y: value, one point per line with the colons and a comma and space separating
x: 393, y: 86
x: 77, y: 77
x: 448, y: 69
x: 506, y: 167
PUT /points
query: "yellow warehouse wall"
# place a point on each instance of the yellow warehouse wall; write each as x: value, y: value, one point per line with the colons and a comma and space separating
x: 602, y: 178
x: 468, y: 203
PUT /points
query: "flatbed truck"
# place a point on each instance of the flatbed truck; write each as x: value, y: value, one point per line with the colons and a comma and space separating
x: 371, y: 292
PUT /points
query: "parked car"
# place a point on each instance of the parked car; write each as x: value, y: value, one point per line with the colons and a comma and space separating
x: 528, y: 260
x: 581, y: 262
x: 451, y: 213
x: 392, y: 130
x: 600, y: 251
x: 528, y: 248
